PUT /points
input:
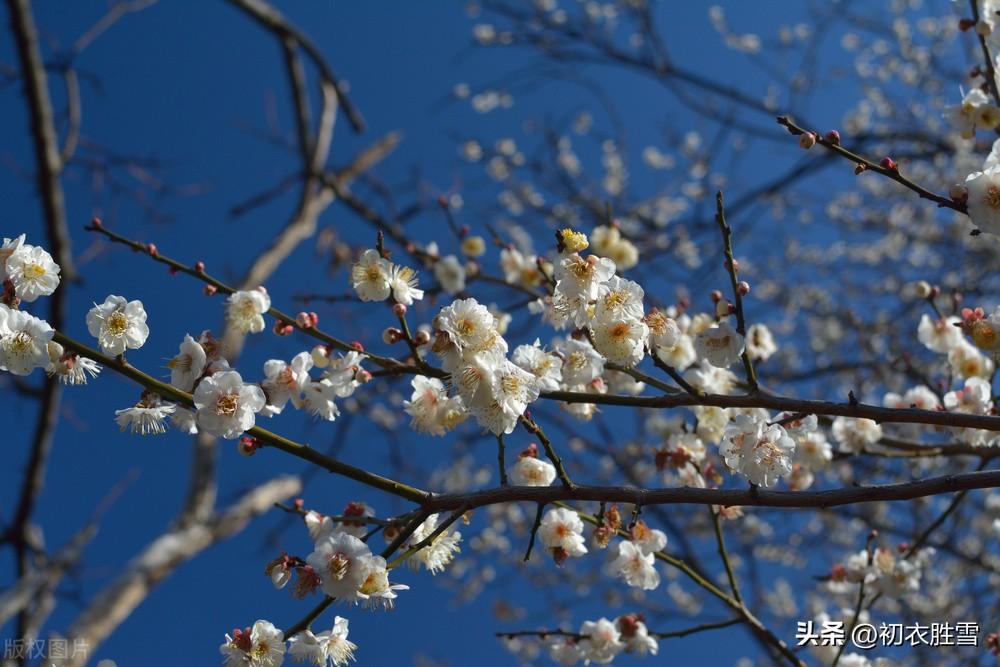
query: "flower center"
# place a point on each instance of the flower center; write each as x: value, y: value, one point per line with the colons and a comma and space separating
x: 33, y: 271
x: 373, y: 273
x: 18, y: 344
x: 117, y: 324
x: 227, y: 404
x: 337, y: 565
x: 992, y: 197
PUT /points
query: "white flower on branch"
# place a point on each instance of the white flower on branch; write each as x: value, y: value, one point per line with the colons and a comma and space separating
x: 32, y: 271
x: 721, y: 345
x: 118, y: 325
x: 561, y: 533
x: 260, y: 646
x: 636, y: 635
x: 188, y: 365
x: 545, y: 366
x: 430, y: 408
x: 634, y: 565
x: 226, y: 406
x: 582, y: 364
x: 939, y: 335
x: 602, y: 641
x: 70, y: 368
x: 370, y: 276
x: 329, y: 646
x: 403, y: 282
x: 24, y: 341
x: 343, y: 563
x: 286, y: 381
x: 760, y: 452
x: 7, y: 248
x: 450, y: 273
x: 531, y: 470
x: 245, y: 310
x: 441, y: 551
x: 145, y: 417
x: 854, y: 435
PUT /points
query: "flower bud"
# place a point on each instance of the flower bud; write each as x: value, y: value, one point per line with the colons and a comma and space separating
x: 151, y: 249
x: 248, y: 445
x: 833, y: 137
x: 362, y: 376
x: 722, y: 308
x: 965, y: 24
x: 321, y: 356
x: 743, y: 288
x: 923, y: 289
x: 210, y: 290
x: 282, y: 328
x: 399, y: 309
x: 958, y: 192
x: 807, y: 140
x: 473, y: 246
x: 421, y: 338
x: 860, y: 168
x: 199, y: 266
x: 716, y: 296
x: 303, y: 320
x: 392, y: 335
x: 888, y: 163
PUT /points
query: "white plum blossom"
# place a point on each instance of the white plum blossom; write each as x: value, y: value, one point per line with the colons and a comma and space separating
x: 663, y: 330
x: 441, y: 551
x: 564, y: 651
x: 760, y: 342
x: 582, y: 364
x: 188, y: 365
x: 32, y: 271
x: 973, y: 398
x: 24, y: 341
x: 721, y: 345
x: 520, y: 268
x: 602, y: 641
x: 245, y: 310
x: 470, y: 329
x: 323, y: 648
x: 761, y: 452
x: 939, y: 335
x: 983, y: 203
x: 185, y: 421
x: 403, y: 283
x: 531, y: 470
x: 578, y: 282
x: 634, y: 565
x: 145, y: 417
x: 318, y: 398
x: 967, y: 361
x: 286, y: 381
x: 343, y: 563
x: 430, y: 408
x: 450, y: 273
x: 636, y: 636
x: 561, y: 532
x: 7, y: 249
x: 118, y: 325
x: 226, y: 406
x: 681, y: 355
x: 621, y: 341
x: 608, y: 241
x: 370, y: 276
x: 813, y: 450
x: 545, y: 366
x: 69, y: 367
x: 260, y: 646
x: 920, y: 397
x: 854, y: 435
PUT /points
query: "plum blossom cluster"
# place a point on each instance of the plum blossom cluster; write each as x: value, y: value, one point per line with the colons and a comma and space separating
x: 601, y: 641
x: 264, y: 645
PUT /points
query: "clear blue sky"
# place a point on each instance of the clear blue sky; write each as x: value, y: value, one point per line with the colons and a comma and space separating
x: 184, y: 82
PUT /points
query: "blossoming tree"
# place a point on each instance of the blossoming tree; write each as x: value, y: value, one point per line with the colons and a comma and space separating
x: 688, y: 434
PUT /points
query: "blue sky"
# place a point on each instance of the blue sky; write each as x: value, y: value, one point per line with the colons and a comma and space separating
x: 191, y: 84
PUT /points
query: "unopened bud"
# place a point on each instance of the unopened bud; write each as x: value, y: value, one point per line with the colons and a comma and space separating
x: 833, y: 137
x: 965, y: 24
x: 321, y: 356
x: 958, y: 192
x: 860, y: 168
x: 96, y: 223
x: 303, y: 320
x: 923, y: 289
x: 888, y: 163
x: 362, y: 376
x: 421, y: 338
x: 210, y: 290
x: 392, y: 335
x: 358, y: 347
x: 399, y: 309
x: 722, y: 308
x: 248, y: 445
x: 743, y: 288
x: 151, y: 249
x: 807, y: 140
x: 199, y: 267
x: 716, y: 296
